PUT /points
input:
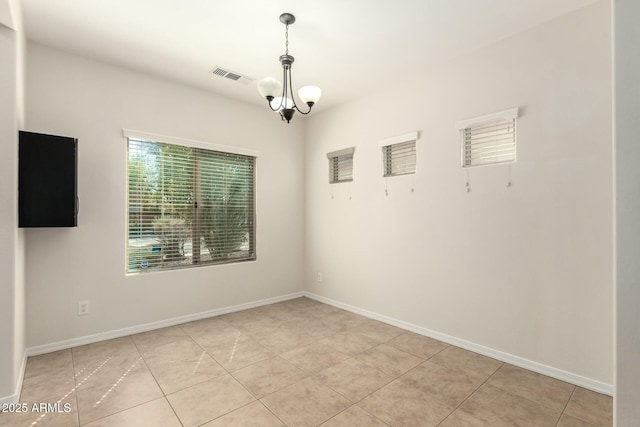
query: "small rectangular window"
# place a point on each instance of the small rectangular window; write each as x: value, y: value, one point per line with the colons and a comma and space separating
x: 489, y: 139
x: 399, y: 154
x: 341, y: 165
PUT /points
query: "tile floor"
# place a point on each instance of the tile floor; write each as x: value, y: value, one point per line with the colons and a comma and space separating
x: 295, y: 363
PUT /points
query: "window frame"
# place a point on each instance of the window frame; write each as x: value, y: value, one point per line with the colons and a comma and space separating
x: 499, y: 118
x: 387, y: 145
x: 335, y: 158
x: 197, y: 146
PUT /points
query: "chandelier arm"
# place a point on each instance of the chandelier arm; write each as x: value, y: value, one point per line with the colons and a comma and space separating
x: 269, y: 103
x: 295, y: 105
x: 302, y: 112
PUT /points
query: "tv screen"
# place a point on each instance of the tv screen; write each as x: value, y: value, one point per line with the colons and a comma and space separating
x: 47, y: 180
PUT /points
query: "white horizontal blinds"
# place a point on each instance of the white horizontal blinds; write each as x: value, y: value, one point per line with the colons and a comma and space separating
x: 490, y: 140
x: 341, y: 165
x: 225, y: 208
x: 179, y: 195
x: 160, y: 181
x: 399, y: 159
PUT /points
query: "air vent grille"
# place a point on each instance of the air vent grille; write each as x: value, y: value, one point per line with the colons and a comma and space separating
x: 231, y: 75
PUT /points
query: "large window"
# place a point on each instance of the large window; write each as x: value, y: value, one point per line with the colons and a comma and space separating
x: 188, y: 206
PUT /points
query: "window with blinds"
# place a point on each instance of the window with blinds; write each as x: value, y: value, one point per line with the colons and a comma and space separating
x: 188, y: 206
x: 489, y: 139
x: 399, y: 155
x: 341, y: 165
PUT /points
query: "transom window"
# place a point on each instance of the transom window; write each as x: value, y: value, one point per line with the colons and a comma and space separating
x: 399, y: 154
x: 188, y: 206
x: 489, y: 139
x: 341, y: 165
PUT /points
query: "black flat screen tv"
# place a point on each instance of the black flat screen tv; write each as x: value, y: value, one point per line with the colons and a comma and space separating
x: 47, y: 180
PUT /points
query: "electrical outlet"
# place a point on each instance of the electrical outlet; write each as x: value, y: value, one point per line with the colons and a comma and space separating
x: 83, y: 308
x: 319, y: 278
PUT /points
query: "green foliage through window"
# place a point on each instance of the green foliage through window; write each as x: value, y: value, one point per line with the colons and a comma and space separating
x: 188, y: 206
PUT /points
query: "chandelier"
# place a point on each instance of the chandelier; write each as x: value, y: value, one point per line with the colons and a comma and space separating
x: 280, y: 96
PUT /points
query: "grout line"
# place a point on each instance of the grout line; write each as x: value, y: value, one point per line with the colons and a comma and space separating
x: 472, y: 394
x: 174, y: 410
x: 566, y: 404
x: 528, y: 399
x: 75, y: 382
x: 574, y: 416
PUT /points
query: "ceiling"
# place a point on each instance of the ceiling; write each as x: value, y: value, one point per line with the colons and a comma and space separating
x: 350, y: 48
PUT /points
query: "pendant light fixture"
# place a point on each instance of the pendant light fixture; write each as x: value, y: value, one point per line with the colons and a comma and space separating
x: 280, y: 95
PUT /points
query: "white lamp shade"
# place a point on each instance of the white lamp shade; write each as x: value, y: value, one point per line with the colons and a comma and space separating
x: 277, y: 101
x: 269, y: 87
x: 309, y: 94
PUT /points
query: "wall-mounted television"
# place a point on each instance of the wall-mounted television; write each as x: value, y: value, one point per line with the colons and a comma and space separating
x: 47, y: 180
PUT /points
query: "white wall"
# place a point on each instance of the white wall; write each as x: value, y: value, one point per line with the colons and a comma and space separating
x: 73, y: 96
x: 525, y: 270
x: 12, y: 285
x: 627, y: 180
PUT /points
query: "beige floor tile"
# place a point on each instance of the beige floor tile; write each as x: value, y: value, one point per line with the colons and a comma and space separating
x: 52, y: 385
x: 354, y: 417
x: 305, y: 403
x: 590, y: 406
x: 240, y: 318
x: 450, y: 386
x: 399, y: 404
x: 417, y: 345
x: 252, y: 415
x: 219, y: 338
x: 314, y: 357
x: 240, y: 355
x: 389, y: 359
x: 101, y: 350
x: 475, y: 365
x: 378, y: 331
x: 107, y: 371
x: 350, y: 343
x: 262, y: 326
x: 283, y: 340
x: 533, y: 386
x: 267, y: 376
x: 209, y: 400
x: 493, y: 407
x: 203, y: 325
x: 157, y: 413
x: 175, y: 351
x: 178, y: 375
x: 343, y: 320
x: 131, y: 389
x: 314, y: 328
x: 147, y: 340
x: 352, y: 379
x: 61, y: 413
x: 45, y: 363
x: 569, y: 421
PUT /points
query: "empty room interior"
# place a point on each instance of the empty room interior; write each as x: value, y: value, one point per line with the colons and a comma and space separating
x: 413, y: 213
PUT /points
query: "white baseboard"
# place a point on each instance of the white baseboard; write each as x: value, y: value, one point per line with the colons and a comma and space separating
x: 15, y: 397
x: 89, y: 339
x: 540, y: 368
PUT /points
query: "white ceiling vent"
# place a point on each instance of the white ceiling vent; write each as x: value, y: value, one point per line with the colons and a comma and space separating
x: 222, y: 72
